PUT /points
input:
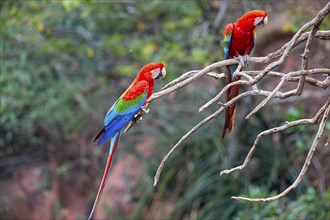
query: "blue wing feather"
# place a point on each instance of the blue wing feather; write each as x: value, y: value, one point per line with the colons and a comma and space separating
x: 114, y: 121
x: 116, y: 125
x: 110, y: 114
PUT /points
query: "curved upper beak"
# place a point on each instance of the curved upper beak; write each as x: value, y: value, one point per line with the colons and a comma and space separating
x: 162, y: 73
x: 265, y: 20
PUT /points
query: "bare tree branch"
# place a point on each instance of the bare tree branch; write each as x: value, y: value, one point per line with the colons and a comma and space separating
x: 309, y: 157
x: 285, y: 77
x: 251, y: 80
x: 275, y: 130
x: 316, y: 23
x: 193, y: 75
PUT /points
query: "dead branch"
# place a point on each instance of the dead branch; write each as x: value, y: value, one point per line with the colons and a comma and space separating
x: 276, y: 130
x: 251, y: 80
x: 307, y: 161
x: 315, y: 23
x: 191, y: 76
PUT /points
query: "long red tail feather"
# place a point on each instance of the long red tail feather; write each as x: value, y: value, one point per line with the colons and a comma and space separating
x: 232, y: 92
x: 106, y: 172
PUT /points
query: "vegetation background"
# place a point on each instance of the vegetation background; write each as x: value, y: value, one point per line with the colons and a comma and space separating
x: 63, y: 64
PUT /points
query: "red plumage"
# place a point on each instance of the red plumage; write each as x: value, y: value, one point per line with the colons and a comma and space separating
x: 136, y: 89
x: 239, y: 39
x: 145, y: 75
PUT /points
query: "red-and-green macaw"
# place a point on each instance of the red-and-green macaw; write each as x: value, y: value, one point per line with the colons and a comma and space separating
x: 124, y: 110
x: 239, y: 39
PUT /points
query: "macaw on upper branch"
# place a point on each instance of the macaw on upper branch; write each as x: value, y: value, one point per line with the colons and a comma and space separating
x: 239, y: 39
x: 124, y: 110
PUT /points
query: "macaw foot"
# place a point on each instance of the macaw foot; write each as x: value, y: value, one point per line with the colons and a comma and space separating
x: 137, y: 118
x: 146, y: 111
x: 243, y: 59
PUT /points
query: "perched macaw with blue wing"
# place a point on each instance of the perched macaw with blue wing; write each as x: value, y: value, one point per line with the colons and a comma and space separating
x: 239, y: 40
x: 123, y: 111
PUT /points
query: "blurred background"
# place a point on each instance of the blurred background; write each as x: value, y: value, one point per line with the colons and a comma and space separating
x: 63, y: 65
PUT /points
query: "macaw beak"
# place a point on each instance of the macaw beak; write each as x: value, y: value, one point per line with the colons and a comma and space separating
x: 265, y: 20
x: 162, y: 74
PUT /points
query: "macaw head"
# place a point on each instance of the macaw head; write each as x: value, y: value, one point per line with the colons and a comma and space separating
x: 157, y: 70
x: 152, y: 71
x: 252, y: 19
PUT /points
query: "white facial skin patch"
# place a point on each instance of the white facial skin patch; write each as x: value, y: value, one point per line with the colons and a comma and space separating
x: 258, y: 20
x: 155, y: 73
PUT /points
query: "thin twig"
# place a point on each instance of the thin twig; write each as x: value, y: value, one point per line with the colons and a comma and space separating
x: 307, y: 95
x: 287, y: 76
x: 276, y: 130
x: 278, y: 87
x: 239, y: 82
x: 304, y: 168
x: 271, y: 95
x: 305, y: 55
x: 202, y: 123
x: 286, y: 52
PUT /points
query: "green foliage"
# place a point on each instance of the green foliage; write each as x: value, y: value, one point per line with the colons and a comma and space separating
x: 53, y: 56
x: 308, y: 206
x: 294, y: 113
x: 302, y: 142
x: 64, y: 169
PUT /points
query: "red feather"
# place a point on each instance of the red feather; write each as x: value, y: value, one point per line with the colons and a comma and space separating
x: 105, y: 174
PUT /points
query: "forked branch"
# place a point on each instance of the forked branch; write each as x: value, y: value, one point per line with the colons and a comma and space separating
x: 251, y: 80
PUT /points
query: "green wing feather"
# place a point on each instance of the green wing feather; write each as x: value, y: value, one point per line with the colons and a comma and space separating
x: 126, y: 106
x: 227, y: 38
